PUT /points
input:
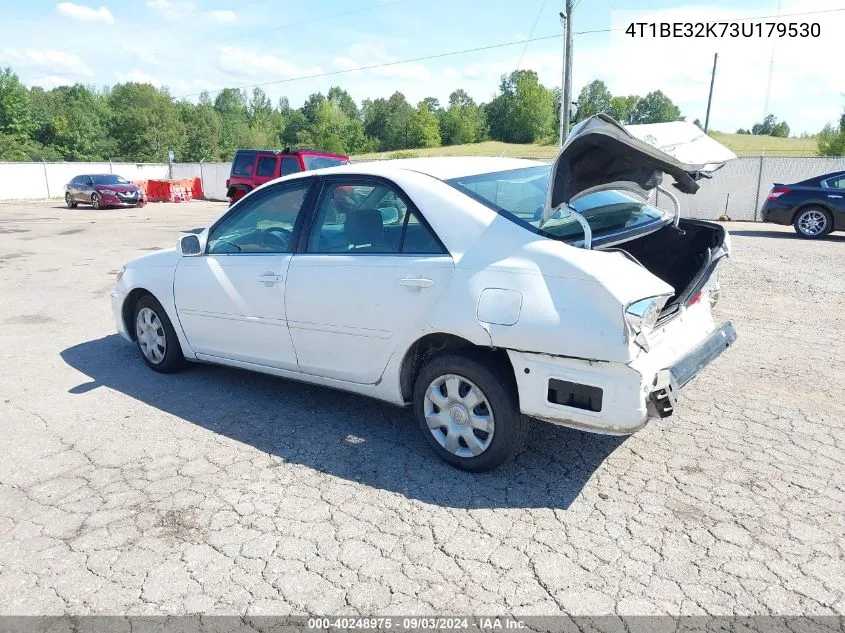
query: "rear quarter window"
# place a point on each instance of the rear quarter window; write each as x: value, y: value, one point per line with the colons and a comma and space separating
x: 243, y: 164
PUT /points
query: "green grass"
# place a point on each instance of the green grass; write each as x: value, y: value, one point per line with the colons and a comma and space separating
x: 740, y: 144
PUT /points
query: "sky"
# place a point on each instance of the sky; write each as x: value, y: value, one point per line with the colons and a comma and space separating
x: 195, y: 45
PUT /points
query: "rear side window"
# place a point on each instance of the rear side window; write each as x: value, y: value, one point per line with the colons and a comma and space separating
x: 266, y: 166
x: 243, y: 164
x: 835, y: 183
x: 290, y: 165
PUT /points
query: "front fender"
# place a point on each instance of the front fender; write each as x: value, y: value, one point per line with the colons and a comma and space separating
x: 154, y: 274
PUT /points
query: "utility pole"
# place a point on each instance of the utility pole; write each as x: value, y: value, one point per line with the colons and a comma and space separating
x: 564, y: 120
x: 710, y: 98
x: 566, y: 74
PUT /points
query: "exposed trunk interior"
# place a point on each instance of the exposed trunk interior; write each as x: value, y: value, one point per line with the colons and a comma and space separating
x: 683, y: 257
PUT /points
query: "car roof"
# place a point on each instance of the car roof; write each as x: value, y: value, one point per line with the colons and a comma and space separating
x: 440, y: 167
x: 289, y: 151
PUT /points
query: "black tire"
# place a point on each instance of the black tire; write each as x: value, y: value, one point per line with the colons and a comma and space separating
x: 495, y: 380
x: 173, y: 359
x: 802, y: 214
x: 69, y: 201
x: 95, y: 200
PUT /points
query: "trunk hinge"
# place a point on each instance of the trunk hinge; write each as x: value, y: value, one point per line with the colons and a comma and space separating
x: 675, y: 202
x: 567, y: 211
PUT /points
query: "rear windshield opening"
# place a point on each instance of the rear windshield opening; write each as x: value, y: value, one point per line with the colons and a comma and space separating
x: 520, y: 195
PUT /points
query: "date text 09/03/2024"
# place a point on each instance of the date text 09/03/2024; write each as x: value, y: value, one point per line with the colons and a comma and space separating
x: 724, y: 29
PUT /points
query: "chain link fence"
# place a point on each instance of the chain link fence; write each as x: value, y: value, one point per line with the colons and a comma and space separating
x: 739, y: 189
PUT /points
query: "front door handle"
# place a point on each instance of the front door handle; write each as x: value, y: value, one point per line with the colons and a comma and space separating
x: 269, y: 278
x: 416, y: 282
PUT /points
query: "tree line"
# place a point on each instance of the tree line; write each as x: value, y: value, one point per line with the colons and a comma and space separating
x: 138, y: 122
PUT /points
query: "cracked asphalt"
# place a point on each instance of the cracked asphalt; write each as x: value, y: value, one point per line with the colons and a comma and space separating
x: 217, y: 491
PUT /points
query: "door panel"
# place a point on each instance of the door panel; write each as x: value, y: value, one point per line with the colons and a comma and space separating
x: 361, y: 288
x: 231, y: 300
x: 347, y: 313
x: 233, y: 307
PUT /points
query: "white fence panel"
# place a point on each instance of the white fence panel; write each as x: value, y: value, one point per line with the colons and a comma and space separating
x: 33, y: 181
x: 212, y: 175
x: 739, y: 189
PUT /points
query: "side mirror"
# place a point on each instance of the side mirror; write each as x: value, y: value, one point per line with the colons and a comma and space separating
x: 389, y: 215
x: 189, y: 246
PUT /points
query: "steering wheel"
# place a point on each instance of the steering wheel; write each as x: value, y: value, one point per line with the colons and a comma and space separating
x: 274, y: 238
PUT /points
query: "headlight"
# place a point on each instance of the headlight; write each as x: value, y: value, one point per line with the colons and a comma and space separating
x: 120, y: 275
x: 108, y: 191
x: 641, y: 317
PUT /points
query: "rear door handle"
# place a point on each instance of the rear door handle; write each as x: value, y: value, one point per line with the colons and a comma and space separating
x: 416, y: 282
x: 269, y: 278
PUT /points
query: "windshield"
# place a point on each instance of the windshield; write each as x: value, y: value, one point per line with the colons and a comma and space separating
x: 520, y: 195
x: 313, y: 161
x: 109, y: 179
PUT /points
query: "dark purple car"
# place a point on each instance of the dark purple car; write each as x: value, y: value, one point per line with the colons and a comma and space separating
x: 103, y: 190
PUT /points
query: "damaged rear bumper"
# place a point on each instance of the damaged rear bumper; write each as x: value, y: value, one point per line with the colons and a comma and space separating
x: 670, y: 380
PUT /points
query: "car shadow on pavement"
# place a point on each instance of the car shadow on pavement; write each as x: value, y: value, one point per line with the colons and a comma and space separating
x: 788, y: 235
x: 343, y: 434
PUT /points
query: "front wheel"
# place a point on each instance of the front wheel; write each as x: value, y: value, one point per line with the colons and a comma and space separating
x: 468, y: 410
x: 155, y: 336
x: 813, y: 222
x: 95, y: 201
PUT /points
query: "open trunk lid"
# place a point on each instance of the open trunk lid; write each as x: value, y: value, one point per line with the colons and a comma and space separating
x: 602, y: 154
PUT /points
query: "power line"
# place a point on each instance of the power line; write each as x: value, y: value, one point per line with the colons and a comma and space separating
x: 462, y: 52
x: 382, y: 65
x: 531, y: 33
x: 377, y: 5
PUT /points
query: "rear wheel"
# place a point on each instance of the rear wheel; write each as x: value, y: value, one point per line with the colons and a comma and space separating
x: 155, y: 336
x: 813, y: 222
x: 468, y: 411
x: 69, y: 201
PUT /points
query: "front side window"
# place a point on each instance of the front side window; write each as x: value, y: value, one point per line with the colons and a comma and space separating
x: 368, y: 218
x: 520, y: 195
x: 263, y: 223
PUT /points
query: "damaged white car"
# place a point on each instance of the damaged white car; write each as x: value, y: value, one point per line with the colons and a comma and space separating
x: 477, y: 290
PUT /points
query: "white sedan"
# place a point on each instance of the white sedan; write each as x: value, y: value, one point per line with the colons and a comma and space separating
x: 477, y: 290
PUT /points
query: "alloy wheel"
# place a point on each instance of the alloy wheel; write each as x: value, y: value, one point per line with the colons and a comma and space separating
x: 812, y: 222
x: 459, y: 415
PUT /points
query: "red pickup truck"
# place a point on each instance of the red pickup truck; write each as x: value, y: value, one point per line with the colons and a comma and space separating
x: 254, y: 167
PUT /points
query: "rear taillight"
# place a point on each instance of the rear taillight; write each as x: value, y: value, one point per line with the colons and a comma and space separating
x: 777, y: 193
x: 696, y: 298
